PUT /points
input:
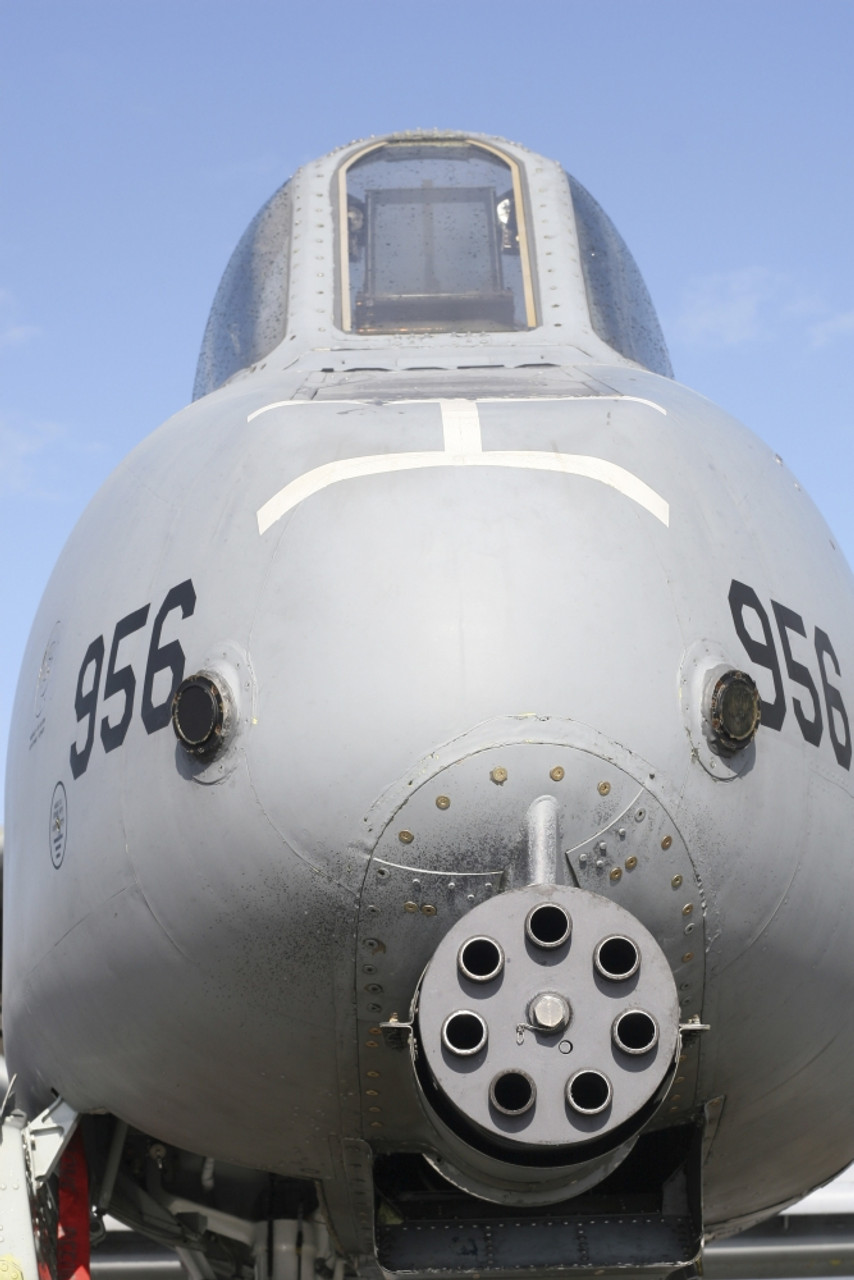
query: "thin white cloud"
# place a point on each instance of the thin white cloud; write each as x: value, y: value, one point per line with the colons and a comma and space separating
x: 25, y: 458
x: 754, y: 304
x: 838, y: 326
x: 730, y: 307
x: 13, y: 333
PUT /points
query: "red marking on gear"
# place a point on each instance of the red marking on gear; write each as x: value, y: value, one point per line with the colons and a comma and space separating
x: 72, y: 1250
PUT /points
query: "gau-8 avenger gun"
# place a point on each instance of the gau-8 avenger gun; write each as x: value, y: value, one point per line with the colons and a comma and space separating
x: 430, y: 774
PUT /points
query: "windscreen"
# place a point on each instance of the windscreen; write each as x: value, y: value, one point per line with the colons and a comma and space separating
x: 434, y: 241
x: 249, y: 313
x: 621, y: 309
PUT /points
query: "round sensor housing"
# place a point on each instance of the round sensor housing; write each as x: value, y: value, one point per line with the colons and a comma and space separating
x: 198, y: 715
x: 735, y: 711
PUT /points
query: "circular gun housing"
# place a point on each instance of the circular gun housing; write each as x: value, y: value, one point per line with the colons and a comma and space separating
x: 509, y: 1090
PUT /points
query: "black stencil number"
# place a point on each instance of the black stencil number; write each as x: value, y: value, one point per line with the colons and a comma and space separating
x: 808, y: 713
x: 169, y: 657
x: 788, y: 620
x: 833, y: 700
x: 85, y: 704
x: 121, y: 681
x: 764, y: 654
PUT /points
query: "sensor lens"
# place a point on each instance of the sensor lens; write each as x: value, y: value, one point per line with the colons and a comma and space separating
x: 198, y: 714
x: 735, y: 711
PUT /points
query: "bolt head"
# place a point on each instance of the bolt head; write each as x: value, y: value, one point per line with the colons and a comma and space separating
x: 549, y: 1012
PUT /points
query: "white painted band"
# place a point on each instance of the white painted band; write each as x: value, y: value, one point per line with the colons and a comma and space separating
x: 570, y: 464
x: 463, y: 448
x: 290, y: 404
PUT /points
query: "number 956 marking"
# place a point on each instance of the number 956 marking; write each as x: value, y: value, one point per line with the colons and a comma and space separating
x: 121, y: 679
x: 808, y: 710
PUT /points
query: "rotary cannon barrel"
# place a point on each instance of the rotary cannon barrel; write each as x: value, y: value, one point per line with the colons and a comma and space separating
x: 546, y: 1036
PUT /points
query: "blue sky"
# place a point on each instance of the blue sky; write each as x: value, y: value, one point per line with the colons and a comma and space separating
x: 138, y: 138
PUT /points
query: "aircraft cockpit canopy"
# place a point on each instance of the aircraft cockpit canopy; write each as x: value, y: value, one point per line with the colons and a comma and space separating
x: 411, y: 236
x: 435, y: 241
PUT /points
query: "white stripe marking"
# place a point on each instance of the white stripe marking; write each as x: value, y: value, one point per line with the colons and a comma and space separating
x: 571, y: 464
x: 461, y: 426
x: 301, y: 404
x: 287, y: 404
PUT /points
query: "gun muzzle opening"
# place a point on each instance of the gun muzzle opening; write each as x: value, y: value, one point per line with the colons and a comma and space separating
x: 635, y: 1031
x: 480, y: 959
x: 589, y: 1092
x: 548, y: 926
x: 464, y: 1033
x: 617, y: 958
x: 512, y: 1093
